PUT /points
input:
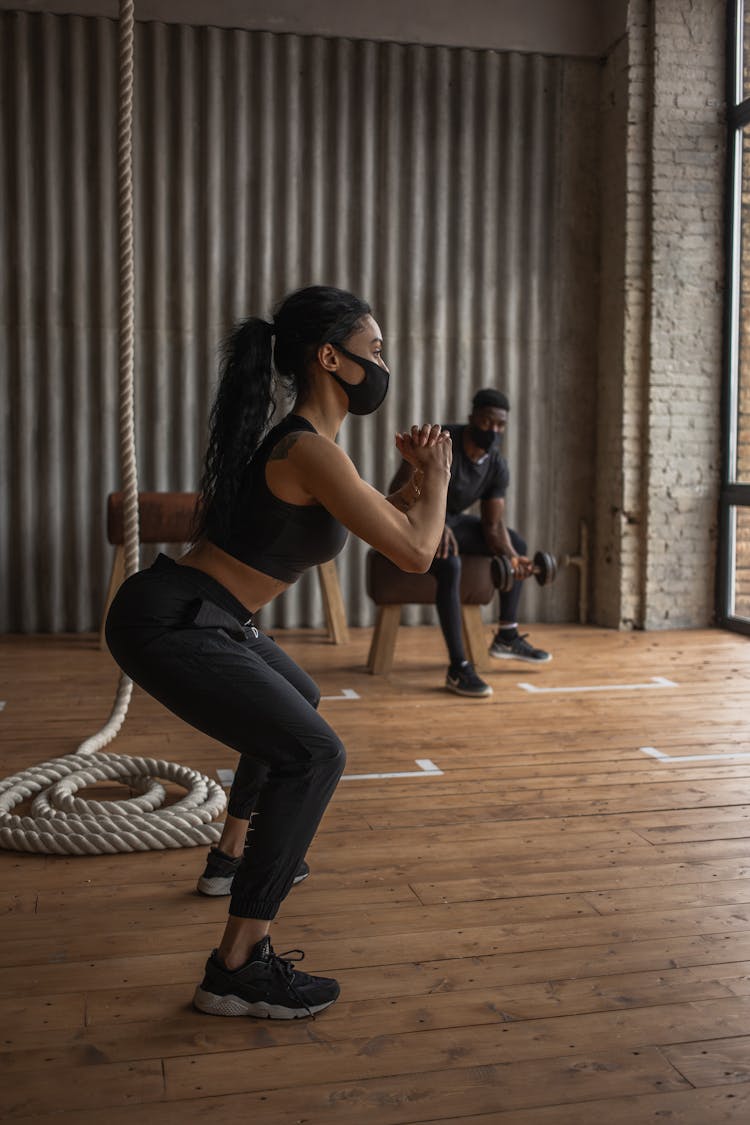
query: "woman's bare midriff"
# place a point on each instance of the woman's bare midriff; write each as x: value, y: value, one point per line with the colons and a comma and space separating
x: 251, y: 587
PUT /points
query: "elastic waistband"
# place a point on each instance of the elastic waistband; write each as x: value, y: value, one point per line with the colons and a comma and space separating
x: 207, y: 585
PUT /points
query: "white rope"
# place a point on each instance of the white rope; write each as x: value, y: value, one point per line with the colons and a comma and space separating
x: 59, y: 821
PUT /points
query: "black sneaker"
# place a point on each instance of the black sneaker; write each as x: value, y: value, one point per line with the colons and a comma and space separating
x: 463, y: 680
x: 267, y: 987
x: 517, y: 648
x: 221, y: 869
x: 219, y: 873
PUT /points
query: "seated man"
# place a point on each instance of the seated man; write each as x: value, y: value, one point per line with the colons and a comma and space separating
x: 478, y: 472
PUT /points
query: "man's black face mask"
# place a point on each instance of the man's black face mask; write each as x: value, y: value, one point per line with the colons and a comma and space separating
x: 484, y: 439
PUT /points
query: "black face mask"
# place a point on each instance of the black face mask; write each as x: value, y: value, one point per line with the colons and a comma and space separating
x: 364, y: 397
x: 484, y: 439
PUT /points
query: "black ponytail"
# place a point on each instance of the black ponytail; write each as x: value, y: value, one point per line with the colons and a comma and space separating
x: 243, y: 407
x: 245, y: 400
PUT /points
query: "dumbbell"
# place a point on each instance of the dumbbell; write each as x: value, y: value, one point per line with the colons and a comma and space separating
x: 545, y: 567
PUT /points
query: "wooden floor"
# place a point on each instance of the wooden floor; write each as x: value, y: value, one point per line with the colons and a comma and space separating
x: 554, y: 931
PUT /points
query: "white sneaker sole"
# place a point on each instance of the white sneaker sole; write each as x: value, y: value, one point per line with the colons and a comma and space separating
x: 222, y: 885
x: 231, y: 1005
x: 524, y: 659
x: 218, y: 885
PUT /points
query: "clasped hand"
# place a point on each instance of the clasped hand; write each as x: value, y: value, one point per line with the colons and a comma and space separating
x: 426, y: 446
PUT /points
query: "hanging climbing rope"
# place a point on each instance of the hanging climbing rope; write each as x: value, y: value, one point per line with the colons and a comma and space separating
x: 59, y: 822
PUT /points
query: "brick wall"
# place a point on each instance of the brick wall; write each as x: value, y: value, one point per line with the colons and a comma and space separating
x: 685, y: 339
x: 659, y: 472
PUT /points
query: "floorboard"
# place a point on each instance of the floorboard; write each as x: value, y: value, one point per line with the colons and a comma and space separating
x: 555, y: 930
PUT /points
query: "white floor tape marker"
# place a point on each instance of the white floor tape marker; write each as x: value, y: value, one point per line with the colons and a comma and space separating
x: 347, y: 693
x: 655, y: 682
x: 2, y: 704
x: 662, y: 757
x: 426, y: 769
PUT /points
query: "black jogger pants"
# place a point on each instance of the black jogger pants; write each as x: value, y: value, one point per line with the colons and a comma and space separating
x: 187, y: 641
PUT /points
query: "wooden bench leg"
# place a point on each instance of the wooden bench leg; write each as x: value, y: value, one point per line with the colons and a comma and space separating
x: 333, y: 603
x: 474, y: 636
x: 380, y: 659
x: 115, y: 581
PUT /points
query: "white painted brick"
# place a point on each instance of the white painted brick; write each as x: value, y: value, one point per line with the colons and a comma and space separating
x: 671, y: 117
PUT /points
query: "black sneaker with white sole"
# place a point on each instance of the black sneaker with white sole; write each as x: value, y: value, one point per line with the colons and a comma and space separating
x: 267, y: 987
x: 463, y: 680
x: 516, y: 647
x: 221, y: 869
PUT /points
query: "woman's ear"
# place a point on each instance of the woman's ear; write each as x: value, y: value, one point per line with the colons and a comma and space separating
x: 328, y: 357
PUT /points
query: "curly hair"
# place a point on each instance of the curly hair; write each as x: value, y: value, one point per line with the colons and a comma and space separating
x: 251, y: 367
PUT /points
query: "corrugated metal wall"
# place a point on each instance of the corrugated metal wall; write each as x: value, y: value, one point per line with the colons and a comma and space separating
x: 455, y: 189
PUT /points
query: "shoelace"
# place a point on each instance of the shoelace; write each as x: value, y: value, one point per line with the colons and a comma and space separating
x: 514, y: 641
x: 284, y: 964
x: 521, y: 642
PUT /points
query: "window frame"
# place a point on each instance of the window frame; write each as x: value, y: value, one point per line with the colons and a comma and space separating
x: 734, y: 494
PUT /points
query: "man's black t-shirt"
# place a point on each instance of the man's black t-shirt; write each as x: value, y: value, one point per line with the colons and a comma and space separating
x: 474, y: 480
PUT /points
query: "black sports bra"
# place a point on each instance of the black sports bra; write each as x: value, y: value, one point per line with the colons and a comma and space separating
x: 280, y: 539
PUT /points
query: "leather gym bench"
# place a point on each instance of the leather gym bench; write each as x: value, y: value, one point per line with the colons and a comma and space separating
x: 391, y: 588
